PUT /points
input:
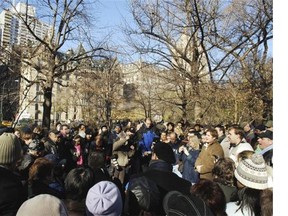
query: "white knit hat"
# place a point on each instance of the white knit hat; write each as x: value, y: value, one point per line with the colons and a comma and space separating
x: 44, y: 204
x: 10, y: 148
x: 252, y: 172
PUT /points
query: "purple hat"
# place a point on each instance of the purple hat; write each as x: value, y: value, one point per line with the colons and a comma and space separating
x: 104, y: 198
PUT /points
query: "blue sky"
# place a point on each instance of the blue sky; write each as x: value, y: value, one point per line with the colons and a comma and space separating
x: 111, y: 15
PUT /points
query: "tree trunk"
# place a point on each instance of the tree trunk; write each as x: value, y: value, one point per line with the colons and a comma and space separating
x: 108, y: 111
x: 47, y: 105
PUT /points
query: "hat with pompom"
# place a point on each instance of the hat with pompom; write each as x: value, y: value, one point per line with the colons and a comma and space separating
x: 252, y: 172
x: 10, y: 149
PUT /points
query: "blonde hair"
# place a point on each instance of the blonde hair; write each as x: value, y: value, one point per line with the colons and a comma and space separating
x: 195, y: 141
x: 244, y: 155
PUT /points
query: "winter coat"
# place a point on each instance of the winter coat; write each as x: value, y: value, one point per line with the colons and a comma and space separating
x: 206, y: 159
x: 189, y: 173
x: 123, y: 151
x: 12, y: 193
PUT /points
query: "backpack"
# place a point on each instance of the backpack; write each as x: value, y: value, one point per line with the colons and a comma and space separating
x: 143, y: 195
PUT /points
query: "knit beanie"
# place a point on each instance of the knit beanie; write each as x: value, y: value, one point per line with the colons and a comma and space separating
x: 252, y: 172
x: 104, y: 198
x: 43, y: 204
x: 164, y: 152
x: 10, y: 149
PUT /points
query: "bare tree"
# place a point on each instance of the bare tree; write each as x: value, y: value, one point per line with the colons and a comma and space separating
x: 202, y: 41
x: 69, y: 22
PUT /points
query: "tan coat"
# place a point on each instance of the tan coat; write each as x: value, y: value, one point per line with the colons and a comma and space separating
x: 123, y: 157
x: 207, y: 159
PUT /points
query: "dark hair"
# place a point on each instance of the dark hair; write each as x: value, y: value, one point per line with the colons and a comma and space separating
x: 223, y: 171
x: 249, y: 198
x: 213, y: 132
x: 211, y: 193
x: 78, y: 182
x: 221, y: 128
x: 96, y: 159
x: 266, y: 202
x: 238, y: 131
x: 40, y: 170
x: 63, y: 125
x: 171, y: 123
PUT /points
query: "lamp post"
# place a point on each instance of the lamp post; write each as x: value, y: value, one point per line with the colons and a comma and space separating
x: 1, y: 104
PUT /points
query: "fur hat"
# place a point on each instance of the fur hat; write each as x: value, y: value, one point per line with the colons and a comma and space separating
x: 267, y: 134
x: 44, y: 204
x: 164, y: 152
x: 175, y: 203
x: 104, y: 198
x: 10, y: 148
x: 252, y: 172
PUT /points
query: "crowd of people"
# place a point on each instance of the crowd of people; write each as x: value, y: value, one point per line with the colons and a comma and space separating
x: 137, y: 168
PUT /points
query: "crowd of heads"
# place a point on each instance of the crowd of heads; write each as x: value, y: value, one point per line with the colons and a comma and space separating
x: 120, y: 170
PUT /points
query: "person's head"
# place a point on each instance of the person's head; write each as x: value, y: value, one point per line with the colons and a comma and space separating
x: 265, y: 139
x: 246, y: 126
x: 211, y: 135
x: 41, y: 170
x: 36, y: 148
x: 203, y: 138
x: 77, y: 140
x: 252, y: 173
x: 54, y: 135
x: 64, y: 129
x: 163, y: 152
x: 223, y: 171
x: 197, y: 127
x: 211, y: 193
x: 78, y: 182
x: 81, y: 127
x: 244, y: 155
x: 170, y: 126
x: 163, y: 136
x: 27, y: 135
x: 96, y: 160
x: 148, y: 123
x: 220, y: 130
x: 173, y: 137
x: 179, y: 124
x: 118, y: 128
x: 10, y: 150
x: 269, y: 125
x: 88, y: 133
x: 194, y: 142
x: 235, y: 134
x: 58, y: 125
x: 99, y: 140
x: 104, y: 128
x: 104, y: 198
x: 38, y: 132
x: 45, y: 204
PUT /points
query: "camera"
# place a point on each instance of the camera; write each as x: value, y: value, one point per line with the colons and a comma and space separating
x: 115, y: 162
